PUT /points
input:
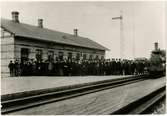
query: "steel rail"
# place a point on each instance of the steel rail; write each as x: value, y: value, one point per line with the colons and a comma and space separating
x: 36, y: 100
x: 143, y: 104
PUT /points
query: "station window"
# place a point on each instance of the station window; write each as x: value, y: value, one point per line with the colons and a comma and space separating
x: 90, y: 56
x: 97, y: 57
x: 78, y: 56
x: 69, y: 55
x: 39, y: 54
x: 84, y: 56
x: 50, y: 55
x: 61, y: 54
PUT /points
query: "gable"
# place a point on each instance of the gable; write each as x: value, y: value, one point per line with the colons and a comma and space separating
x: 5, y: 33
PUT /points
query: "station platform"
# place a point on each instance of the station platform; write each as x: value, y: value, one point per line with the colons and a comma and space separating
x: 98, y: 103
x: 12, y: 85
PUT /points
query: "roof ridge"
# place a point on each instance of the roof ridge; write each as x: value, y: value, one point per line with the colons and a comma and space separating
x: 31, y: 31
x: 44, y: 28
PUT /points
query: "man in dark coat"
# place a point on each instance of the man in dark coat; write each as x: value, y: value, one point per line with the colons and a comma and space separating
x: 119, y: 67
x: 114, y: 66
x: 65, y: 67
x: 133, y: 67
x: 16, y: 67
x: 11, y: 68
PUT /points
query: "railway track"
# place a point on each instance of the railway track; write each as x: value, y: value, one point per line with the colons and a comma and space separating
x: 20, y: 103
x: 142, y: 105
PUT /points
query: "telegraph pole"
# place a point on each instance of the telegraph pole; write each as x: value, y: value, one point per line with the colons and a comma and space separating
x: 121, y: 34
x: 133, y: 35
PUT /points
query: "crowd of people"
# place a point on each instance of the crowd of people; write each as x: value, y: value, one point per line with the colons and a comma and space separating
x: 73, y: 67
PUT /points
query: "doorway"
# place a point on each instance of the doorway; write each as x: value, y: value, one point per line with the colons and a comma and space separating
x: 24, y: 54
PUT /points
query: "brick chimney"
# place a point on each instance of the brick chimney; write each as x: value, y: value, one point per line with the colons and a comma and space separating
x: 156, y: 46
x: 76, y: 32
x: 40, y: 23
x: 15, y: 16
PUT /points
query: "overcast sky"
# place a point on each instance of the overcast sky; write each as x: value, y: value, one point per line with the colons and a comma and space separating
x: 142, y: 21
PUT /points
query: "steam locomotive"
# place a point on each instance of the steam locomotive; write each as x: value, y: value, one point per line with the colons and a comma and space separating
x: 157, y: 62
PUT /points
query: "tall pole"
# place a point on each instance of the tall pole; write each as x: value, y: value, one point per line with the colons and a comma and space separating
x: 133, y: 35
x: 121, y: 34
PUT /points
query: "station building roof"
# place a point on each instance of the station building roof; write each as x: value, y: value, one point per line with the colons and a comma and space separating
x: 44, y: 34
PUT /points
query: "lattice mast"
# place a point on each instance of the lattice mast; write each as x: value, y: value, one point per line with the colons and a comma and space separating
x: 121, y: 34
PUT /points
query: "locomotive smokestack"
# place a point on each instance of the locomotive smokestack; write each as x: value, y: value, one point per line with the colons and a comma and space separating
x: 156, y: 46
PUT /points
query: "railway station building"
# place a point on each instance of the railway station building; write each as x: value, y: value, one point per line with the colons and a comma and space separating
x: 23, y: 42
